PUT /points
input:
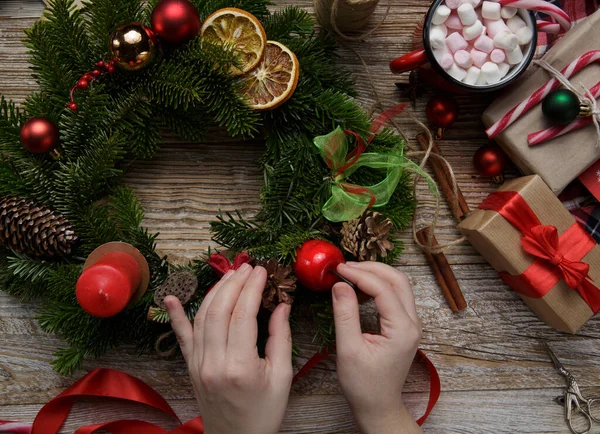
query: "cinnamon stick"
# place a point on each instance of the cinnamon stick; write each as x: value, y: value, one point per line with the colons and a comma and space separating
x: 443, y: 274
x: 437, y: 273
x: 441, y: 173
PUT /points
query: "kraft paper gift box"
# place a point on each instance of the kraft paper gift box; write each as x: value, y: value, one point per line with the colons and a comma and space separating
x: 500, y: 242
x: 558, y: 161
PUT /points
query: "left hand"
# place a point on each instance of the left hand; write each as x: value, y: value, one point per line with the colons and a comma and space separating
x: 237, y: 391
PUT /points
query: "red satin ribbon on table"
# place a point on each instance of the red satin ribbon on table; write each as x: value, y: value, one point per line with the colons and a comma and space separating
x: 109, y: 383
x: 557, y: 257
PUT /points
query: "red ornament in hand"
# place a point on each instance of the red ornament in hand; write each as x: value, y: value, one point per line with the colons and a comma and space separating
x: 490, y: 161
x: 315, y: 261
x: 39, y: 135
x: 117, y: 274
x: 441, y: 111
x: 175, y: 21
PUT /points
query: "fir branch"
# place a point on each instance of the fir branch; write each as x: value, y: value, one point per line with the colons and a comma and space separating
x: 255, y: 7
x: 288, y: 22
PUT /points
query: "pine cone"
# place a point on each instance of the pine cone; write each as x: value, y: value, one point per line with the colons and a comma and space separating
x: 181, y: 284
x: 280, y: 283
x: 367, y: 236
x: 34, y: 230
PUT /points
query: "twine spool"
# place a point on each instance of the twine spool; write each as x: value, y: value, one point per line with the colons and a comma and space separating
x: 349, y: 15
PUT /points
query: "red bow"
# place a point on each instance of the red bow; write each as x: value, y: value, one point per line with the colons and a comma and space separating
x: 221, y: 263
x: 543, y: 242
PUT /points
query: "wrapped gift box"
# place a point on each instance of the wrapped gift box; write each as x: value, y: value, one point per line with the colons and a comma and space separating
x: 561, y: 160
x: 540, y: 279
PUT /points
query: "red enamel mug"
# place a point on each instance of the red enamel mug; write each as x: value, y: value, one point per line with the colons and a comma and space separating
x: 424, y: 56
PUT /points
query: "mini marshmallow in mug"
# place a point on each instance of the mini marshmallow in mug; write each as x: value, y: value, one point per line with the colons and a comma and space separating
x: 467, y: 14
x: 507, y: 12
x: 473, y: 74
x: 524, y: 35
x: 453, y: 4
x: 463, y: 59
x: 453, y: 22
x: 491, y: 72
x: 437, y: 36
x: 515, y: 56
x: 446, y: 61
x: 473, y: 31
x: 495, y: 27
x: 457, y: 72
x: 490, y: 10
x: 497, y: 55
x: 484, y: 43
x: 515, y: 23
x: 504, y: 68
x: 478, y: 57
x: 456, y: 42
x: 440, y: 15
x: 506, y: 40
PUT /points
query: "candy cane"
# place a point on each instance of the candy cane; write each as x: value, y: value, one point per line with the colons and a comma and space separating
x: 571, y: 69
x: 555, y: 12
x: 548, y: 27
x: 559, y: 130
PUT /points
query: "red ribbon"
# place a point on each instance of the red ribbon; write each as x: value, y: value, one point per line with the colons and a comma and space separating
x: 361, y: 147
x: 108, y: 383
x: 557, y: 257
x: 221, y: 263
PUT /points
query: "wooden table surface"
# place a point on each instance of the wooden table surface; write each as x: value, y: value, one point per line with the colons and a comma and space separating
x: 496, y: 376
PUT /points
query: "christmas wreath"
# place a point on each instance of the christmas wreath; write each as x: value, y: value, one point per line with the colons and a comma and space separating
x: 113, y: 76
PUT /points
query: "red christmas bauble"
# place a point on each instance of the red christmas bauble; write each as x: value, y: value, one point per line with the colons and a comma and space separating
x: 39, y: 135
x: 175, y: 21
x: 490, y: 161
x: 315, y: 260
x: 441, y: 111
x: 105, y: 288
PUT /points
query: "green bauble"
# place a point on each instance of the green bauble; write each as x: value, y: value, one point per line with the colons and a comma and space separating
x: 561, y: 106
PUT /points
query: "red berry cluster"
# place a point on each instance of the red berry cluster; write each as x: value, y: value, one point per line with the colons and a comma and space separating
x: 84, y: 81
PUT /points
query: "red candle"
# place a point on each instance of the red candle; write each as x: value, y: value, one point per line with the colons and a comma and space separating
x: 105, y: 288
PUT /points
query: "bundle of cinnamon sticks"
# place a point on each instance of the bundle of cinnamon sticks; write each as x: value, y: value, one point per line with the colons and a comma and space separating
x: 458, y: 206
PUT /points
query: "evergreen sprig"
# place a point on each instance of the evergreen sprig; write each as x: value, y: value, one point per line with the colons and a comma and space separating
x: 187, y: 90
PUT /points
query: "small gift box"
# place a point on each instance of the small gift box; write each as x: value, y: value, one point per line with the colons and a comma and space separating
x: 560, y: 160
x: 540, y: 251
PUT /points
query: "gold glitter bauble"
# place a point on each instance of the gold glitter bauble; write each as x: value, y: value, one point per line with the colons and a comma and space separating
x: 133, y: 46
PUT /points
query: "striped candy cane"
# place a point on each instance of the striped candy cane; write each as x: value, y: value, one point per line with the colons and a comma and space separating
x: 555, y: 12
x: 548, y: 27
x: 573, y: 68
x: 559, y: 130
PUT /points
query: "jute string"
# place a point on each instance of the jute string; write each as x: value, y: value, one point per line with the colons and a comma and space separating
x: 413, y: 151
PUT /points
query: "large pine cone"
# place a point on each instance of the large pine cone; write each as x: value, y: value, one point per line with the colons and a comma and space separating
x: 34, y: 230
x: 367, y: 237
x: 280, y: 284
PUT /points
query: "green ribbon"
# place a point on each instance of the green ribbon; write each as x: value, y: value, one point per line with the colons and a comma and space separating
x: 349, y: 201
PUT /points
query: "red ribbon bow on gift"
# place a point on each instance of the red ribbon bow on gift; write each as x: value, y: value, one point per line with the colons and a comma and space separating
x: 221, y: 263
x: 558, y: 257
x: 542, y: 242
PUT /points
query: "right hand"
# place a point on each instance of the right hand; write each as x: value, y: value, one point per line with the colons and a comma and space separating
x: 372, y: 369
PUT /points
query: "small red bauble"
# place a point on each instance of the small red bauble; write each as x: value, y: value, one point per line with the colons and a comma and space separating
x: 175, y: 21
x: 490, y: 161
x: 100, y: 64
x: 39, y: 135
x: 315, y: 260
x: 96, y: 73
x: 105, y: 288
x: 73, y: 106
x: 82, y: 84
x: 441, y: 111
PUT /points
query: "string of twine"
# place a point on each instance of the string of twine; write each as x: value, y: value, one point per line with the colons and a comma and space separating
x: 584, y: 94
x: 414, y: 153
x: 335, y: 8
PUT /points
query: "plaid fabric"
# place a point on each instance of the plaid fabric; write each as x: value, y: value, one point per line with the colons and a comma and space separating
x: 576, y: 199
x: 576, y: 9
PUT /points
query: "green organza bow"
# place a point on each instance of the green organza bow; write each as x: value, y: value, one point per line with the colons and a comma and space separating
x: 348, y: 200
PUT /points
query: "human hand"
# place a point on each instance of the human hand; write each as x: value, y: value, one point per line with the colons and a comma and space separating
x: 236, y: 390
x: 372, y: 369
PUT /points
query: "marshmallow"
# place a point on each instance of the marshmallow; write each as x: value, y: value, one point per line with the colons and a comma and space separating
x: 491, y: 72
x: 497, y: 56
x: 463, y: 59
x: 515, y: 56
x: 504, y: 68
x: 446, y: 61
x: 453, y: 4
x: 515, y: 23
x: 467, y: 14
x: 473, y: 74
x: 485, y: 44
x: 440, y: 15
x: 506, y: 40
x: 473, y: 31
x: 437, y: 36
x: 507, y: 12
x: 456, y: 42
x: 490, y: 10
x: 457, y: 72
x: 495, y: 26
x: 481, y: 80
x: 453, y: 22
x: 524, y: 35
x: 474, y: 3
x: 478, y: 57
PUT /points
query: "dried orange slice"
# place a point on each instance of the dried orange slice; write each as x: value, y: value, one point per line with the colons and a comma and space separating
x: 240, y: 29
x: 274, y: 81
